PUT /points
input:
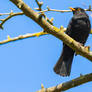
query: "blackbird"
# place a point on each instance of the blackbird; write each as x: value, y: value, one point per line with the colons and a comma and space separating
x: 79, y: 28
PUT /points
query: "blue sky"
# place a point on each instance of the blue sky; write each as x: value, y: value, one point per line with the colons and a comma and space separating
x: 25, y: 64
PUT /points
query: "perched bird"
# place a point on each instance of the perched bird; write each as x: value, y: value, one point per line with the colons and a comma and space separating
x: 78, y: 29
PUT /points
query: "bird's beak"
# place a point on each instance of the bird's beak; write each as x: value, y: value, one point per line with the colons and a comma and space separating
x: 71, y: 8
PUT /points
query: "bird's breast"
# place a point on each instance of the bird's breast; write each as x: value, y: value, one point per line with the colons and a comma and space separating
x: 80, y: 30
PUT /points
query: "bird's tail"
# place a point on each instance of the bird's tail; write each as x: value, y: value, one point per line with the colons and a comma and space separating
x: 63, y: 66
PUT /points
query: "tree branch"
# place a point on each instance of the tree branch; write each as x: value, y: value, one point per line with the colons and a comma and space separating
x: 11, y: 14
x: 62, y: 36
x: 61, y: 11
x: 4, y: 14
x: 53, y: 30
x: 39, y: 5
x: 20, y: 37
x: 69, y: 84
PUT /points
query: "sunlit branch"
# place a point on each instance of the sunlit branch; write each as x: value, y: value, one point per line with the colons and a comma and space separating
x: 69, y: 84
x: 20, y: 37
x: 61, y: 11
x: 11, y: 14
x: 39, y: 5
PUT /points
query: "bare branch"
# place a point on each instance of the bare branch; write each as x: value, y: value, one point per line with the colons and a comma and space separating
x: 61, y: 11
x: 48, y: 9
x: 28, y: 35
x: 9, y: 39
x: 10, y: 16
x: 4, y: 14
x: 53, y: 30
x: 69, y: 84
x: 39, y: 5
x: 20, y: 37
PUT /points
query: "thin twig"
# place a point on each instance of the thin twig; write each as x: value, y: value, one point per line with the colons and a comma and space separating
x: 9, y: 39
x: 39, y: 5
x: 4, y: 14
x: 29, y: 35
x: 10, y: 16
x: 61, y: 11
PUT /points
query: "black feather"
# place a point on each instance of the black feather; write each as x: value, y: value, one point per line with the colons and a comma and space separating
x: 79, y: 29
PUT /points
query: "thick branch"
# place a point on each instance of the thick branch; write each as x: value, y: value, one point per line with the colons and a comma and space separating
x: 69, y: 84
x: 52, y: 30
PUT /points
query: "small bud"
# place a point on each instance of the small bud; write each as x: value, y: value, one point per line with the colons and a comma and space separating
x: 42, y: 86
x: 48, y: 8
x: 40, y: 3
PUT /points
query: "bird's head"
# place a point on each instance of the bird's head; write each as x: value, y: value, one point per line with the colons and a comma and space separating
x: 77, y: 10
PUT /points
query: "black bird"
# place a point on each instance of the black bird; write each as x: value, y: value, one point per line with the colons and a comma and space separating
x: 79, y: 29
